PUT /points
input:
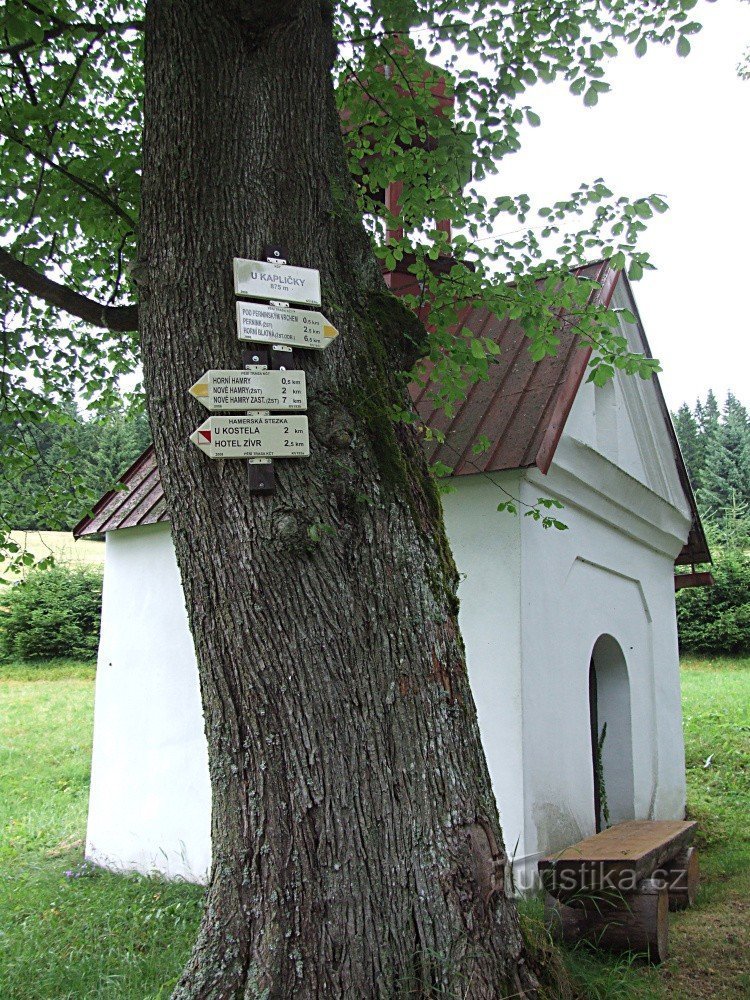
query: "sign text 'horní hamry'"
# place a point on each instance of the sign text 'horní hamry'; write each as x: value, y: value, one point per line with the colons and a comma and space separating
x: 226, y: 390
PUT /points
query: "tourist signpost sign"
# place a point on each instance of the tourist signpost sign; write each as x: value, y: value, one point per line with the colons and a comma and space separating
x: 268, y: 324
x: 265, y: 384
x: 281, y: 282
x: 226, y: 390
x: 253, y: 437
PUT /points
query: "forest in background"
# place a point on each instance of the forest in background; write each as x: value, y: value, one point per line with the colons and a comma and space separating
x: 61, y: 468
x: 715, y: 443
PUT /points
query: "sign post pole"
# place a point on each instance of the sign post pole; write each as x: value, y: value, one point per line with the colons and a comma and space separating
x: 261, y: 477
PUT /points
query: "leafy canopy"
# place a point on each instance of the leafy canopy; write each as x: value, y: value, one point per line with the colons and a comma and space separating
x: 70, y: 126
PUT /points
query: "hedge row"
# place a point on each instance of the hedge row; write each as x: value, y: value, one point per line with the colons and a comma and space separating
x: 53, y: 612
x: 716, y: 620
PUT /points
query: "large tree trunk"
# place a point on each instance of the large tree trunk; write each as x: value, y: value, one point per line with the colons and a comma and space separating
x: 357, y: 850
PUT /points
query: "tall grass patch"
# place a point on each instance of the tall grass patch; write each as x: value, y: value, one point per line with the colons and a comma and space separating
x: 68, y: 932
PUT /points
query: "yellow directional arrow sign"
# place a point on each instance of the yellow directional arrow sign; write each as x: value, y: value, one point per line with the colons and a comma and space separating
x: 253, y: 437
x: 226, y: 390
x: 266, y: 324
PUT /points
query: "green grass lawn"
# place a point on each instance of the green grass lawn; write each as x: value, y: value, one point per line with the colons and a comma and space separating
x: 97, y: 936
x: 100, y: 936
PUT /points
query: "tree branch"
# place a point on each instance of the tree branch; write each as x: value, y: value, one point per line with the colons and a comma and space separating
x: 87, y: 186
x: 116, y: 318
x: 86, y: 28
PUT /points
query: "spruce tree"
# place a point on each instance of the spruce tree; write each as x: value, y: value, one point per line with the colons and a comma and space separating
x: 686, y: 426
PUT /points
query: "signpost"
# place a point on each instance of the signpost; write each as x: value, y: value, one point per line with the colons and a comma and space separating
x: 257, y: 435
x: 253, y: 437
x: 227, y: 390
x: 270, y: 280
x: 267, y: 324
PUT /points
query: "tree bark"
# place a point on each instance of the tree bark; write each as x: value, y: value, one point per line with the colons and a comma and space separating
x: 356, y: 845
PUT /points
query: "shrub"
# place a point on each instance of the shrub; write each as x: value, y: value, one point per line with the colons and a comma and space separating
x: 54, y: 612
x: 716, y: 620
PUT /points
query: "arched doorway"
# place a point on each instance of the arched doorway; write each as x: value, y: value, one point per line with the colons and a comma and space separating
x: 611, y: 734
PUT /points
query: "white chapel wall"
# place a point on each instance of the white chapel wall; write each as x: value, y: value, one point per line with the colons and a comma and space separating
x: 150, y: 799
x: 591, y: 580
x: 486, y: 547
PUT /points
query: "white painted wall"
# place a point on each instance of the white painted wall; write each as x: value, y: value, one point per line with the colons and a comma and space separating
x: 150, y: 799
x: 596, y: 581
x: 610, y: 573
x: 487, y: 549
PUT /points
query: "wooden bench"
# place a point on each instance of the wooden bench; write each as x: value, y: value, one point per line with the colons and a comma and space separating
x: 617, y: 887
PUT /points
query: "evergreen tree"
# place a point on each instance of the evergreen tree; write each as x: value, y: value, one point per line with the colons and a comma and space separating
x: 63, y: 465
x: 735, y: 434
x: 686, y: 426
x: 724, y: 479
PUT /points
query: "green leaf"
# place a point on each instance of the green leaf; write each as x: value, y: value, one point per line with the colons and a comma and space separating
x: 578, y: 86
x: 591, y: 97
x: 477, y: 349
x: 683, y: 46
x: 635, y: 271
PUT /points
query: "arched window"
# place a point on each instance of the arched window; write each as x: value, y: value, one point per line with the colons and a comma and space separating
x: 611, y: 734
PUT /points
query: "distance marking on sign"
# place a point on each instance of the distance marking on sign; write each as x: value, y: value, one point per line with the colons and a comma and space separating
x: 266, y: 324
x: 268, y: 280
x: 226, y: 390
x: 253, y: 437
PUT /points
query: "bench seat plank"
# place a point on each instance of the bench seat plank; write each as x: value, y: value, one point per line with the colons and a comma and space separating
x: 633, y: 849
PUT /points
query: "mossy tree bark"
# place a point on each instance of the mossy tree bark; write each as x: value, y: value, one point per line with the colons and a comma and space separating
x: 357, y: 849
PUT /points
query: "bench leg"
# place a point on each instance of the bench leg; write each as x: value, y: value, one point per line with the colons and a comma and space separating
x: 682, y: 877
x: 635, y: 921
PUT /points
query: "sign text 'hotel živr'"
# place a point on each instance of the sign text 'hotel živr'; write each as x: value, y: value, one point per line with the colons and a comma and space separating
x: 253, y: 437
x: 267, y: 280
x: 266, y: 324
x: 227, y: 390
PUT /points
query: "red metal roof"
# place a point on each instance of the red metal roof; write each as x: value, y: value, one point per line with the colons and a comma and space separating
x: 138, y: 500
x: 521, y: 408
